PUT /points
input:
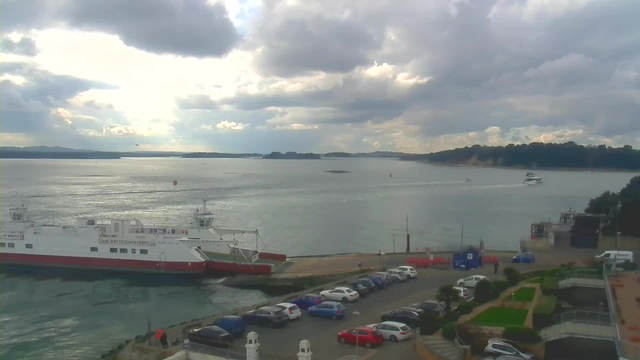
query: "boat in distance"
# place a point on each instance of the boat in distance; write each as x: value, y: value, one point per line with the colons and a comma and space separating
x: 127, y: 245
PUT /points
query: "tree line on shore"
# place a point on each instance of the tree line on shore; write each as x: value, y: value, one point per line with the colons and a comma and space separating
x: 536, y: 154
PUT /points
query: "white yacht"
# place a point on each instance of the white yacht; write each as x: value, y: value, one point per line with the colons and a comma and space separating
x: 532, y: 179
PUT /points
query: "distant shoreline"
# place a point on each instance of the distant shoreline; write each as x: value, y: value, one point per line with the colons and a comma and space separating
x: 528, y: 168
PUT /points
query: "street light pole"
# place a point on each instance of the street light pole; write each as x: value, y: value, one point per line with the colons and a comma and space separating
x: 357, y: 331
x: 394, y: 243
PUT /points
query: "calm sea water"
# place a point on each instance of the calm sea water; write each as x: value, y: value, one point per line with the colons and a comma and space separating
x: 297, y: 207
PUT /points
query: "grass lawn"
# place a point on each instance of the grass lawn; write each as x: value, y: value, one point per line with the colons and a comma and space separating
x: 502, y: 317
x: 537, y: 280
x: 524, y: 294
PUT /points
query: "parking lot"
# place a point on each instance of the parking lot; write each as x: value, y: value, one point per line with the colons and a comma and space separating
x: 322, y: 333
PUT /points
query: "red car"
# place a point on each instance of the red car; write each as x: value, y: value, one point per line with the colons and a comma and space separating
x: 366, y: 336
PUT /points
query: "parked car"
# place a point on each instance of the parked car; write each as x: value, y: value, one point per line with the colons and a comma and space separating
x: 292, y: 310
x: 525, y: 257
x: 430, y: 305
x: 402, y: 275
x: 499, y: 347
x: 393, y: 331
x: 211, y: 336
x: 417, y: 310
x: 617, y: 256
x: 410, y: 270
x: 328, y: 309
x: 340, y: 294
x: 270, y: 316
x: 234, y: 325
x: 365, y: 336
x: 368, y: 284
x: 361, y: 289
x: 411, y: 318
x: 389, y: 277
x: 308, y: 300
x: 470, y: 281
x: 379, y: 281
x: 462, y: 292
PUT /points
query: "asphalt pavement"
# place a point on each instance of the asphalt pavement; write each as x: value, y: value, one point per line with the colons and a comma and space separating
x: 322, y: 333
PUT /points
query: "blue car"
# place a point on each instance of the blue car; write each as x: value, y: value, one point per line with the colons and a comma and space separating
x: 234, y: 325
x: 328, y: 309
x: 378, y: 281
x: 307, y: 301
x: 524, y: 258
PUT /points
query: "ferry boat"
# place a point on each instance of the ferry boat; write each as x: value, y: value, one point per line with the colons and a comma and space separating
x: 120, y: 244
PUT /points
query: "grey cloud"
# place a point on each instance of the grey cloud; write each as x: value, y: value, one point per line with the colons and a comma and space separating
x: 294, y: 46
x: 196, y: 102
x: 184, y: 27
x: 25, y: 46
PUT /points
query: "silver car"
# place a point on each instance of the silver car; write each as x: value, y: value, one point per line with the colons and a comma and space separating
x: 402, y: 275
x: 391, y: 278
x: 499, y: 347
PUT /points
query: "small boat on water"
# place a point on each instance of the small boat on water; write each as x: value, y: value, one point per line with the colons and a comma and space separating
x: 532, y: 179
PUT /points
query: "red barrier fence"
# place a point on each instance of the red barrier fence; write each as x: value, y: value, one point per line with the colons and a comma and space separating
x: 490, y: 259
x: 272, y: 256
x: 427, y: 262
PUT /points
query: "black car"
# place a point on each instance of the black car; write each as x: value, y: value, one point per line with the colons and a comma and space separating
x: 378, y: 281
x: 211, y: 336
x: 266, y: 316
x: 362, y: 291
x: 430, y: 305
x: 367, y: 283
x: 415, y: 309
x: 411, y: 318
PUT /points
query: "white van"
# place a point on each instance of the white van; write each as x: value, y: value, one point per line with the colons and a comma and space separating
x: 610, y: 256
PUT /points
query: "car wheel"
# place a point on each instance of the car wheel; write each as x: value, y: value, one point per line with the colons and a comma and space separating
x: 334, y: 317
x: 461, y: 284
x: 344, y: 299
x: 342, y: 340
x: 367, y: 344
x: 393, y: 338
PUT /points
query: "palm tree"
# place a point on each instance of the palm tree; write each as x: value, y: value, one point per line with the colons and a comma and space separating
x: 447, y: 295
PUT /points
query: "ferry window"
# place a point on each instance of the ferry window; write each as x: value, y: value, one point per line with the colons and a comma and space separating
x: 144, y: 251
x: 116, y: 227
x: 12, y: 245
x: 123, y: 250
x: 115, y: 250
x: 29, y: 246
x: 133, y: 251
x: 94, y: 249
x: 2, y: 244
x: 173, y: 231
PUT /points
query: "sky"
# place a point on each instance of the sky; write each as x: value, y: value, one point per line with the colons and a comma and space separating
x: 318, y: 75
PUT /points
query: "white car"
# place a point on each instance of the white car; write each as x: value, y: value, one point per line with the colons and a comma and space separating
x: 471, y: 281
x: 462, y: 292
x: 403, y: 275
x: 502, y: 347
x: 409, y: 269
x: 393, y: 331
x: 292, y: 310
x: 340, y: 294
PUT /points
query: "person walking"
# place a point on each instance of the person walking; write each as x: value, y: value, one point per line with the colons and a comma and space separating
x: 496, y: 265
x: 163, y: 340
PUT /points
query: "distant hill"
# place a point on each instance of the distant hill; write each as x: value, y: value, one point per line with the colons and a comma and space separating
x: 150, y: 153
x: 79, y: 154
x: 567, y: 155
x: 292, y: 156
x: 41, y: 149
x: 339, y: 154
x: 215, y: 155
x: 376, y: 154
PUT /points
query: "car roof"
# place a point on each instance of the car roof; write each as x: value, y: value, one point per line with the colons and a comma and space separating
x: 229, y: 317
x: 286, y: 304
x: 331, y: 303
x: 270, y: 308
x: 394, y: 323
x: 316, y: 295
x: 343, y: 288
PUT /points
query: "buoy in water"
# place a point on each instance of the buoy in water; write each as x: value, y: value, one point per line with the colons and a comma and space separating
x: 175, y: 182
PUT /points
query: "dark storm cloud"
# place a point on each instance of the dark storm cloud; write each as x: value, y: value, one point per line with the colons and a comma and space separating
x: 295, y: 46
x: 26, y: 107
x: 25, y: 46
x: 184, y: 27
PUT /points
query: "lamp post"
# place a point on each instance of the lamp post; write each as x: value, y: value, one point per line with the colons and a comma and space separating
x: 394, y: 243
x: 357, y: 330
x: 615, y: 258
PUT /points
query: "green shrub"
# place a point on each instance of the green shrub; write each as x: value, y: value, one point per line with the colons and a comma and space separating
x: 449, y: 331
x: 546, y: 305
x: 512, y: 275
x: 531, y: 274
x: 452, y: 316
x: 521, y: 334
x: 483, y: 292
x: 429, y: 323
x: 467, y: 306
x: 499, y: 286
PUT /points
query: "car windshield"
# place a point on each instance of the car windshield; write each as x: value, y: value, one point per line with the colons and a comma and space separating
x: 340, y: 307
x: 294, y: 308
x: 405, y: 328
x: 376, y: 333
